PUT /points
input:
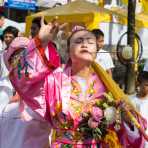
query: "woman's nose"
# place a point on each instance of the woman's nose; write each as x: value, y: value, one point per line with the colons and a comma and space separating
x: 84, y: 42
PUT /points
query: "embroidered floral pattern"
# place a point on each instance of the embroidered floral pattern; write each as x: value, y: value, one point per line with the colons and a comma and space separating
x: 76, y: 103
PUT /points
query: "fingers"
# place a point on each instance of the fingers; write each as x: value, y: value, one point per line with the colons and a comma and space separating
x: 54, y: 20
x: 51, y: 29
x: 42, y: 21
x: 62, y: 26
x: 55, y: 25
x: 52, y: 24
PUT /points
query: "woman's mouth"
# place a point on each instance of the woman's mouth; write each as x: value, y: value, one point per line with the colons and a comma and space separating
x: 85, y: 51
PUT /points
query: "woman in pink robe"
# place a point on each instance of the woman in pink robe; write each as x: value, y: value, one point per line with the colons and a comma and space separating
x: 58, y: 94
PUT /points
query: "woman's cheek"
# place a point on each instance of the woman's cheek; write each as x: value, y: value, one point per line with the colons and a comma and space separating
x: 94, y: 55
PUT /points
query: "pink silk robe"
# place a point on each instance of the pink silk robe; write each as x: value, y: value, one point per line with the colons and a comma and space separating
x: 47, y: 92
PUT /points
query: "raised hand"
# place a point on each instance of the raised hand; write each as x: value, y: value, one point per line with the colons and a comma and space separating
x: 47, y: 32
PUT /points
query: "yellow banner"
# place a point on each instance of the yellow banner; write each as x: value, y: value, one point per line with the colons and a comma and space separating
x: 101, y: 3
x: 145, y: 5
x: 125, y: 2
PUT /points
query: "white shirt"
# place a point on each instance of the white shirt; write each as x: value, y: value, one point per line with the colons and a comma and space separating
x: 104, y: 59
x: 3, y: 69
x: 146, y: 66
x: 6, y: 89
x: 1, y: 45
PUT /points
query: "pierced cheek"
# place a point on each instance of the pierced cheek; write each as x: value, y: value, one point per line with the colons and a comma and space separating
x: 94, y: 56
x: 93, y: 51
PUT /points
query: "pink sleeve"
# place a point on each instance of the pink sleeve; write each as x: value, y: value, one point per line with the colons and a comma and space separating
x: 31, y: 88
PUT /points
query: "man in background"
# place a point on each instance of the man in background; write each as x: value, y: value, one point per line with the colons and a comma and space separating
x: 35, y: 27
x: 9, y: 34
x: 6, y: 89
x: 103, y: 57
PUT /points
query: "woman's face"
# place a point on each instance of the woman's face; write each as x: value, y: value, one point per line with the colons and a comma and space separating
x: 82, y: 47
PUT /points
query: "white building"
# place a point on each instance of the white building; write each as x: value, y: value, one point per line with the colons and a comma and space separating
x: 50, y: 3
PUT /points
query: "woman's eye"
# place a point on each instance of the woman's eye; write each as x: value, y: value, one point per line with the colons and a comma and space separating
x: 90, y: 41
x: 78, y: 41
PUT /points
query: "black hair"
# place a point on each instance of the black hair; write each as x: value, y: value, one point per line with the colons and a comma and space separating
x: 143, y: 76
x: 12, y: 30
x: 37, y: 21
x: 98, y: 33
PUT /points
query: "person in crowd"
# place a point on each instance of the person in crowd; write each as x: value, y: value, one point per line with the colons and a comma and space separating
x: 35, y: 27
x: 141, y: 99
x: 61, y: 94
x: 16, y: 118
x: 6, y: 88
x: 103, y: 57
x: 6, y: 91
x: 61, y: 42
x: 9, y: 34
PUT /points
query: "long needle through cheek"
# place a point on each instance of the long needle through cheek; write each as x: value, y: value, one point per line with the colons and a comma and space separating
x: 103, y: 52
